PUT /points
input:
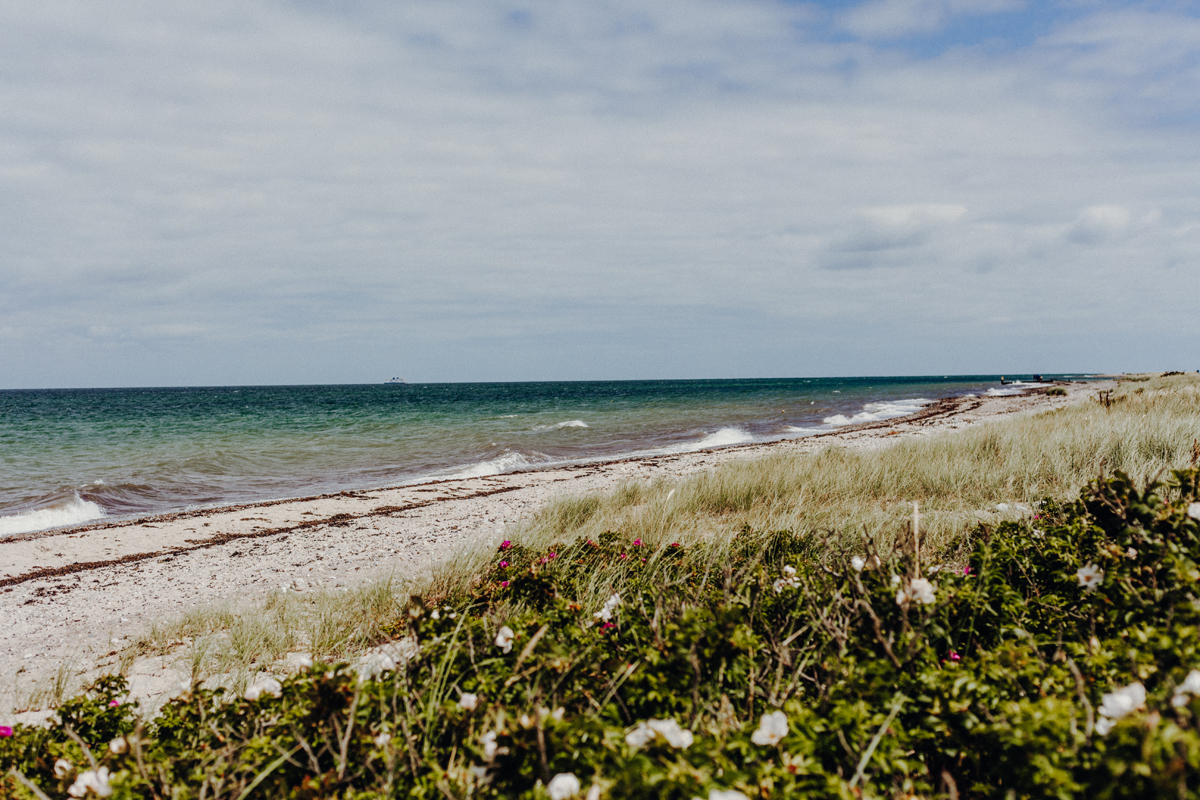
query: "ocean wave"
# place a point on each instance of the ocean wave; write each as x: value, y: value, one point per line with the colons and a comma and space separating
x: 804, y: 431
x: 725, y: 437
x: 1014, y: 388
x: 873, y: 412
x: 572, y: 423
x: 509, y: 462
x: 75, y: 511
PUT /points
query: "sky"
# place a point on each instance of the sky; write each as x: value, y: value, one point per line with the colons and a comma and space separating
x: 344, y: 191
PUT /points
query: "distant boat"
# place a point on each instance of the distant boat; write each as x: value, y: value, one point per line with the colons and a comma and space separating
x: 396, y: 380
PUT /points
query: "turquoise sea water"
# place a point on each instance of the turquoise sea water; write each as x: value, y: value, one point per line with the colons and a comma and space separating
x: 72, y: 455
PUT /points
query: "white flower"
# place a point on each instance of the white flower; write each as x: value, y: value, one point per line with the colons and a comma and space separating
x: 895, y: 580
x: 771, y: 729
x: 382, y: 739
x: 374, y: 664
x: 303, y: 661
x: 563, y: 785
x: 468, y: 701
x: 504, y: 639
x: 668, y: 729
x: 1131, y: 553
x: 1090, y: 577
x: 62, y: 768
x: 594, y: 792
x: 788, y: 580
x: 266, y: 686
x: 1119, y: 703
x: 94, y: 781
x: 435, y: 614
x: 490, y: 749
x: 857, y: 563
x: 1190, y: 685
x: 725, y: 794
x: 1194, y: 511
x: 118, y: 746
x: 639, y: 736
x: 610, y: 605
x: 919, y: 590
x: 922, y: 591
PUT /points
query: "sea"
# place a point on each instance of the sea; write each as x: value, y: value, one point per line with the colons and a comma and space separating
x: 70, y: 457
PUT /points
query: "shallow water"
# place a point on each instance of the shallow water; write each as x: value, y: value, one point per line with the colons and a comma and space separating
x: 73, y: 455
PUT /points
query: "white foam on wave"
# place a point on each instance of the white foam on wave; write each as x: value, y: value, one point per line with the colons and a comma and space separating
x: 571, y: 423
x: 73, y: 512
x: 509, y: 462
x: 724, y: 438
x: 802, y: 431
x: 873, y: 412
x: 1016, y: 387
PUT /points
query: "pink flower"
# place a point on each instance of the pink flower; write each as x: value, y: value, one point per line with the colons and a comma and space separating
x: 954, y: 656
x: 967, y: 570
x: 504, y: 584
x: 505, y: 544
x: 637, y: 542
x: 675, y: 544
x: 113, y: 704
x: 503, y: 564
x: 623, y: 555
x: 551, y: 555
x: 5, y: 730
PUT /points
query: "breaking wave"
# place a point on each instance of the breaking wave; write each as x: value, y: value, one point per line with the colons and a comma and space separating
x: 509, y: 462
x: 873, y: 412
x: 573, y: 423
x: 74, y: 511
x: 1016, y: 387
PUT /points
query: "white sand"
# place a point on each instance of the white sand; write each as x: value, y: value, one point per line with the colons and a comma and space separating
x: 84, y: 592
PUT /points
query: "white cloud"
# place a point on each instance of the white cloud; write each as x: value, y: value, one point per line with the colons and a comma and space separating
x: 260, y: 188
x: 1099, y: 224
x: 886, y: 19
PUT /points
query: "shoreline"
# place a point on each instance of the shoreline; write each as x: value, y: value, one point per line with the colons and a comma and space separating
x: 120, y: 576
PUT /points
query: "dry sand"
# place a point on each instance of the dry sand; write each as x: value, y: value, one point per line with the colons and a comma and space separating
x: 83, y: 593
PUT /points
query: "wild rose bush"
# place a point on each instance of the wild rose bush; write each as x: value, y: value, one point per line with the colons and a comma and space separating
x: 1055, y: 660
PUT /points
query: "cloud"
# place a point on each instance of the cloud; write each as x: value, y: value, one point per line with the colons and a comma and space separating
x: 1099, y: 224
x: 888, y: 19
x: 875, y: 231
x: 257, y: 192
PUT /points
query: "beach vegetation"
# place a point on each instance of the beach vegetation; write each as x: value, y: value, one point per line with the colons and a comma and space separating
x: 1061, y: 659
x: 980, y: 475
x: 772, y: 627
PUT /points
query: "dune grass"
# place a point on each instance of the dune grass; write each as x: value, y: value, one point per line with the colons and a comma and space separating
x: 957, y: 477
x: 834, y: 498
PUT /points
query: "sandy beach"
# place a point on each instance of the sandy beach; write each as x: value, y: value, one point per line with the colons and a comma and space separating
x: 83, y: 593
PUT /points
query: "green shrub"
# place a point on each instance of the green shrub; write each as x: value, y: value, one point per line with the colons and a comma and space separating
x: 789, y: 670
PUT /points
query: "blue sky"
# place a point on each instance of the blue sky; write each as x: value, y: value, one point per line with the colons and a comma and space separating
x: 309, y: 192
